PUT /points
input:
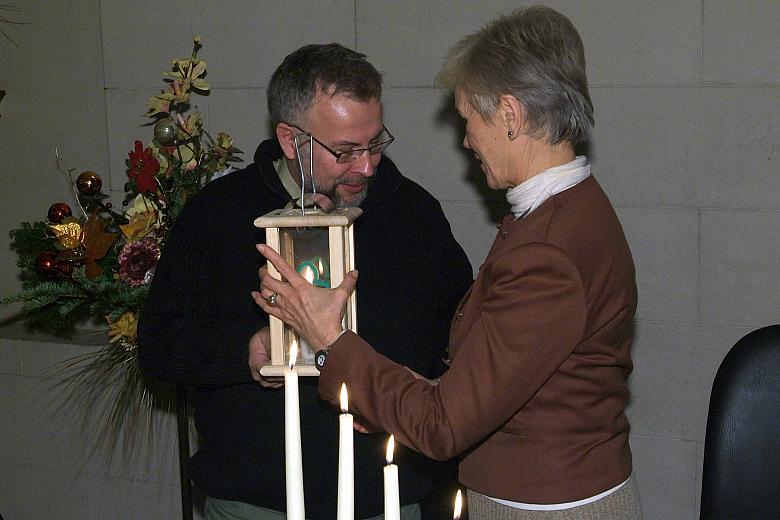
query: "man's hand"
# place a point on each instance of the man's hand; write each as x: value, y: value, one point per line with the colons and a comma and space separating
x: 259, y: 356
x: 362, y: 426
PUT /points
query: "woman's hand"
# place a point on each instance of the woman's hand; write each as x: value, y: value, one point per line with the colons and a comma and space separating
x: 313, y: 311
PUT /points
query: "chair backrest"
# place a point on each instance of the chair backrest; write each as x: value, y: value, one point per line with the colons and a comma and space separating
x: 741, y: 478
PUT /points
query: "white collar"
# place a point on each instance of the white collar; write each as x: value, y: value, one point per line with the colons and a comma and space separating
x: 530, y: 194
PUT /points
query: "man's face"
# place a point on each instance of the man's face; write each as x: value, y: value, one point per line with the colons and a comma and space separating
x: 342, y: 124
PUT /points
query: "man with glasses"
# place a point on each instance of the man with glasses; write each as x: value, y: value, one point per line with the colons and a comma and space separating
x: 201, y: 327
x: 357, y: 186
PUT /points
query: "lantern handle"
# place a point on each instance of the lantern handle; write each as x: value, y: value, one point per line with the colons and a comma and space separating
x: 300, y: 170
x: 312, y: 199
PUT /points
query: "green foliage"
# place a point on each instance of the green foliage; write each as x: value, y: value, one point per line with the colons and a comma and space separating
x: 29, y: 240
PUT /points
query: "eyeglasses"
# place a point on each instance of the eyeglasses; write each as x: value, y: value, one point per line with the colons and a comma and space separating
x: 385, y: 138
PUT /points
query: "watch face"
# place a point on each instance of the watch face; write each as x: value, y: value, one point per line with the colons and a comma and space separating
x: 319, y: 359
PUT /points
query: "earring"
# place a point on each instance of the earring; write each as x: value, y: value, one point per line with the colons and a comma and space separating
x: 509, y: 135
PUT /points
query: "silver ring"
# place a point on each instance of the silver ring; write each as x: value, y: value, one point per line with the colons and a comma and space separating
x: 271, y: 300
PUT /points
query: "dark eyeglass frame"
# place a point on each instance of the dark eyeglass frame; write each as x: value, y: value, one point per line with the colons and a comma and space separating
x: 351, y: 155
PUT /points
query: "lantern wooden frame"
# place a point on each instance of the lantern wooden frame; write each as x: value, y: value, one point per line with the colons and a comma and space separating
x: 280, y: 226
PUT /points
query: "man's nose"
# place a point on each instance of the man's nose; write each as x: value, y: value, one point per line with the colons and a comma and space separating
x: 466, y: 142
x: 365, y: 164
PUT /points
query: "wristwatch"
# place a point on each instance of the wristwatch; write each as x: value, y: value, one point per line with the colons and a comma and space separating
x: 322, y: 355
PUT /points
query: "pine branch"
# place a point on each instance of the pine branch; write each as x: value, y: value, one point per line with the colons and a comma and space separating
x: 30, y: 239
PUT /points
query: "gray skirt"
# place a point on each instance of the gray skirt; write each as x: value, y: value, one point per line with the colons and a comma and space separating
x: 623, y: 504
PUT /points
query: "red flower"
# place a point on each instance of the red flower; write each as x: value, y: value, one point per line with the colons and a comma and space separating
x: 137, y: 261
x: 143, y: 168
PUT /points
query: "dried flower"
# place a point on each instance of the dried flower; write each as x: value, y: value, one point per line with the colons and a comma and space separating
x: 123, y: 328
x: 224, y: 141
x: 144, y: 218
x: 110, y: 274
x: 161, y: 103
x: 136, y: 259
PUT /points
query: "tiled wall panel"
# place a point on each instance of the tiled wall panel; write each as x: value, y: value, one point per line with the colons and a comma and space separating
x: 687, y: 99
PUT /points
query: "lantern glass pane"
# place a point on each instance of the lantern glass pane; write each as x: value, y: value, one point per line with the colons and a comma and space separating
x: 307, y: 250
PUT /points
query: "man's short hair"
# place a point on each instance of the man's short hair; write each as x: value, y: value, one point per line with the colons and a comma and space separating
x: 330, y: 68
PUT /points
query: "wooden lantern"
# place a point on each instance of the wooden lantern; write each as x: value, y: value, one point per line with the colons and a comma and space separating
x: 320, y: 246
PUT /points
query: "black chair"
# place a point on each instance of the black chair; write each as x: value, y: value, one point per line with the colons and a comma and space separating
x: 741, y: 478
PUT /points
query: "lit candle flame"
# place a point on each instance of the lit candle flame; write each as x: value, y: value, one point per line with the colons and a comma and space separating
x: 343, y: 398
x: 321, y: 266
x: 458, y: 505
x: 307, y: 271
x: 293, y: 352
x: 390, y: 449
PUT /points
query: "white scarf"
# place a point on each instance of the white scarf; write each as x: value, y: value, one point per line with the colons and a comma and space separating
x: 530, y: 194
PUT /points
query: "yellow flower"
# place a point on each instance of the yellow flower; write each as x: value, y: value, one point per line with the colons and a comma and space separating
x: 141, y: 204
x: 160, y: 154
x: 224, y: 141
x: 191, y: 126
x: 144, y: 219
x: 160, y: 103
x: 125, y: 327
x: 186, y: 74
x: 139, y: 226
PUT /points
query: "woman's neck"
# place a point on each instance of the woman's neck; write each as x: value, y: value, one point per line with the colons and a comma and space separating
x: 539, y: 156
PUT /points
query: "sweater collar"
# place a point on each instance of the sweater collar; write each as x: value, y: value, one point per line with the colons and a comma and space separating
x: 265, y: 155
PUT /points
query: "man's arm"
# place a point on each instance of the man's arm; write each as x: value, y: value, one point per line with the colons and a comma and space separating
x: 183, y: 337
x: 454, y: 282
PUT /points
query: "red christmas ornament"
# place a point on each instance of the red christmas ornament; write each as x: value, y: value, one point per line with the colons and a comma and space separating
x: 89, y: 183
x: 64, y: 267
x: 58, y: 212
x: 49, y: 265
x: 46, y: 264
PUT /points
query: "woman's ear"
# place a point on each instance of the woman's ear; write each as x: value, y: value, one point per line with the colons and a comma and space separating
x: 512, y: 114
x: 286, y: 136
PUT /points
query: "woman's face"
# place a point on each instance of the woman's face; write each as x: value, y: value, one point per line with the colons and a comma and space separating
x: 488, y: 140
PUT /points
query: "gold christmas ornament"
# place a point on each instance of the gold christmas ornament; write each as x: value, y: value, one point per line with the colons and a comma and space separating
x: 69, y: 234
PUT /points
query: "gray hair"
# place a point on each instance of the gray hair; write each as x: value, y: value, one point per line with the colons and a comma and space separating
x: 328, y: 68
x: 534, y: 54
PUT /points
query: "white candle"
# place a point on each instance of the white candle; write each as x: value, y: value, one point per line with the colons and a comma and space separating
x: 346, y: 501
x: 293, y: 459
x: 458, y: 506
x: 392, y: 501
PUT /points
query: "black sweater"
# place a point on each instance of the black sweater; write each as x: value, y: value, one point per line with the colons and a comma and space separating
x: 199, y: 317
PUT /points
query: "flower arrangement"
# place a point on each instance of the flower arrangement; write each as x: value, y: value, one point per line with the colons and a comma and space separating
x: 100, y: 263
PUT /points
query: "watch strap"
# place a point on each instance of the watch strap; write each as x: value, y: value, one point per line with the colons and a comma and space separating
x: 322, y: 355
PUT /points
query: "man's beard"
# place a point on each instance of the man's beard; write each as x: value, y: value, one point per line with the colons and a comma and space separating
x: 332, y: 193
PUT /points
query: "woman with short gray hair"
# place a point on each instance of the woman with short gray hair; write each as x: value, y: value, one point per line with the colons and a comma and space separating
x: 534, y: 399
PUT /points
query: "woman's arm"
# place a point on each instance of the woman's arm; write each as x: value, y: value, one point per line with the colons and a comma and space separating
x: 531, y: 318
